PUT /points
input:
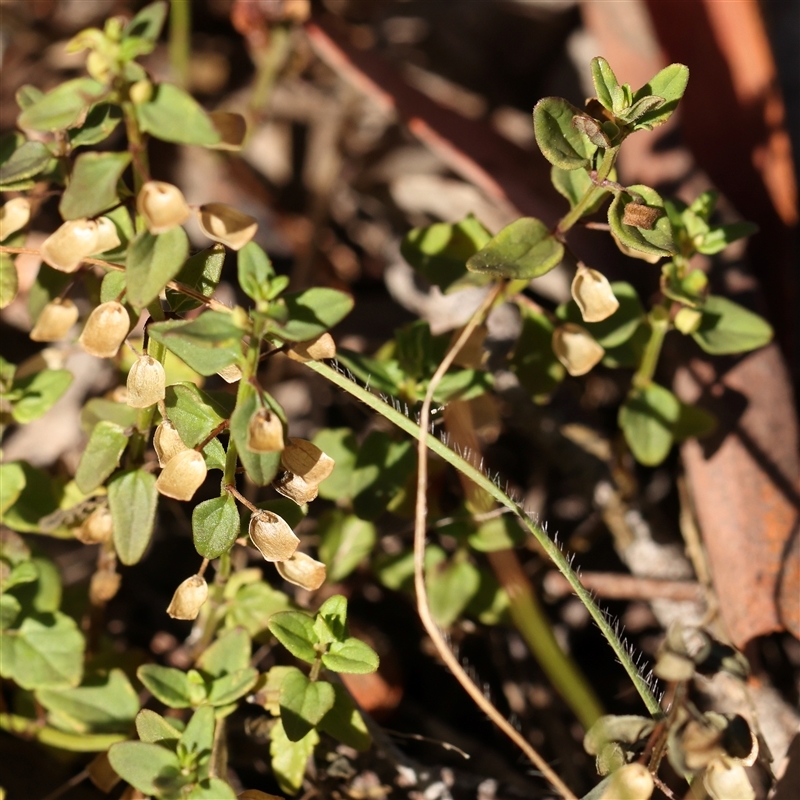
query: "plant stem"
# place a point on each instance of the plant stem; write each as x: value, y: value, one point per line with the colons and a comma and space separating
x: 269, y: 61
x: 139, y: 157
x: 76, y: 742
x: 180, y: 24
x: 606, y: 165
x: 659, y: 325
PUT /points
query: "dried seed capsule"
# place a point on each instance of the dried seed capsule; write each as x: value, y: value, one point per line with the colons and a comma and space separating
x: 631, y: 782
x: 107, y: 235
x: 162, y: 205
x: 97, y: 528
x: 264, y: 432
x: 305, y: 459
x: 296, y: 488
x: 640, y: 216
x: 314, y: 349
x: 231, y: 373
x: 103, y: 586
x: 232, y: 129
x: 55, y: 321
x: 14, y: 216
x: 183, y: 475
x: 272, y: 535
x: 592, y: 292
x: 576, y: 349
x: 302, y: 570
x: 726, y: 777
x: 227, y: 225
x: 188, y: 598
x: 146, y: 382
x: 105, y: 330
x: 167, y: 442
x: 69, y: 244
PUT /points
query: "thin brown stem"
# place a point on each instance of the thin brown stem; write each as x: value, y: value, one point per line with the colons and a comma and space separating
x: 231, y: 489
x: 617, y: 586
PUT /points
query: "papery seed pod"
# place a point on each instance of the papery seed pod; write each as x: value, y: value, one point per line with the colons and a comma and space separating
x: 688, y: 320
x: 264, y: 432
x: 227, y: 225
x: 592, y: 292
x: 272, y: 535
x: 103, y: 586
x: 107, y: 235
x: 97, y: 528
x: 105, y: 330
x: 188, y: 598
x: 69, y: 244
x: 146, y: 382
x: 231, y: 373
x: 640, y: 216
x: 14, y: 216
x: 305, y: 459
x: 725, y: 778
x: 631, y: 782
x: 302, y: 570
x: 182, y: 476
x: 576, y: 349
x: 314, y: 349
x: 167, y: 442
x: 140, y: 92
x: 55, y: 321
x: 232, y: 129
x: 162, y: 205
x: 296, y: 488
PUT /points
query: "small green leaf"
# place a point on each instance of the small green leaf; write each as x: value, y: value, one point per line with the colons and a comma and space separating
x: 670, y: 84
x: 439, y: 252
x: 63, y: 106
x: 132, y: 500
x: 331, y: 620
x: 148, y: 22
x: 101, y: 408
x: 193, y: 412
x: 255, y: 271
x: 101, y: 457
x: 523, y: 250
x: 312, y: 312
x: 606, y: 86
x: 351, y: 656
x: 252, y: 607
x: 451, y: 586
x: 574, y: 184
x: 9, y: 610
x: 230, y: 653
x: 172, y: 115
x: 560, y: 142
x: 345, y: 723
x: 215, y: 526
x: 657, y: 240
x: 533, y: 360
x: 261, y: 468
x: 27, y: 95
x: 289, y: 759
x: 27, y: 161
x: 39, y: 392
x: 303, y: 703
x: 210, y: 329
x: 693, y: 421
x: 37, y: 498
x: 9, y: 280
x: 92, y: 188
x: 728, y: 328
x: 152, y: 262
x: 169, y: 685
x: 212, y: 789
x: 150, y: 768
x: 200, y: 352
x: 341, y: 445
x: 201, y: 273
x: 500, y: 533
x: 99, y: 124
x: 463, y: 384
x: 153, y: 728
x: 647, y: 419
x: 644, y: 105
x: 719, y: 238
x: 295, y: 631
x: 12, y: 482
x: 346, y: 541
x: 198, y: 738
x: 383, y: 467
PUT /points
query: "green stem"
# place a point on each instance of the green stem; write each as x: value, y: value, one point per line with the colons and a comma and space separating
x: 77, y: 743
x: 548, y: 545
x: 659, y: 325
x: 270, y: 62
x: 139, y: 157
x: 180, y: 24
x: 606, y: 165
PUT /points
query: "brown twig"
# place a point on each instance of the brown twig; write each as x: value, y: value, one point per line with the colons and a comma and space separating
x: 618, y: 586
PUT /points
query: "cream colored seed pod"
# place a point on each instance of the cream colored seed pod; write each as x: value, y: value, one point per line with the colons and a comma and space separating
x: 231, y: 373
x: 314, y: 349
x: 69, y: 244
x: 167, y: 442
x: 188, y: 598
x: 576, y: 349
x: 55, y: 321
x: 146, y: 382
x: 97, y: 528
x: 227, y: 225
x: 302, y: 570
x: 296, y: 488
x: 105, y: 330
x: 272, y: 535
x: 107, y: 236
x: 592, y: 292
x: 14, y: 216
x: 631, y: 782
x: 264, y: 432
x: 182, y: 476
x: 163, y: 206
x: 725, y: 778
x: 305, y: 459
x: 103, y: 586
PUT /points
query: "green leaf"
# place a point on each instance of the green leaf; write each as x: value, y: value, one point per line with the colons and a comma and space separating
x: 261, y: 468
x: 27, y: 161
x: 351, y: 656
x: 533, y: 360
x: 9, y: 280
x: 12, y: 482
x: 153, y: 728
x: 106, y: 704
x: 719, y: 238
x: 200, y: 352
x: 132, y: 500
x: 147, y: 24
x: 640, y: 108
x: 100, y: 123
x: 396, y: 572
x: 656, y: 241
x: 346, y: 541
x: 101, y: 457
x: 295, y: 631
x: 383, y: 467
x: 152, y: 262
x: 212, y: 789
x: 728, y: 328
x: 523, y: 250
x: 215, y: 526
x: 252, y: 607
x: 92, y: 188
x: 172, y: 115
x: 169, y: 685
x: 574, y: 184
x: 230, y: 653
x: 693, y: 421
x: 670, y: 84
x: 647, y: 419
x: 9, y: 610
x: 463, y: 384
x: 40, y: 391
x: 560, y: 142
x: 451, y: 585
x: 201, y: 273
x: 303, y: 703
x: 63, y: 106
x: 210, y: 329
x: 193, y: 412
x: 37, y: 499
x: 45, y: 652
x: 439, y: 252
x: 198, y: 738
x: 100, y: 408
x: 313, y: 312
x: 341, y: 445
x: 606, y: 86
x: 345, y: 723
x: 331, y: 620
x: 500, y: 533
x: 150, y: 768
x: 289, y: 759
x: 255, y: 271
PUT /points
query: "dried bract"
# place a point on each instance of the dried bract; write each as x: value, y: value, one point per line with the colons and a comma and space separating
x: 188, y: 598
x: 592, y: 292
x: 97, y: 528
x: 167, y: 442
x: 264, y: 432
x: 103, y: 586
x: 146, y: 382
x: 107, y: 235
x: 576, y: 349
x: 163, y: 206
x: 314, y: 349
x: 183, y: 475
x: 305, y: 459
x: 14, y: 216
x: 232, y: 129
x: 272, y: 535
x: 70, y: 244
x: 631, y: 782
x: 227, y: 225
x: 231, y: 373
x: 302, y: 570
x: 55, y: 321
x: 296, y: 488
x: 105, y: 330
